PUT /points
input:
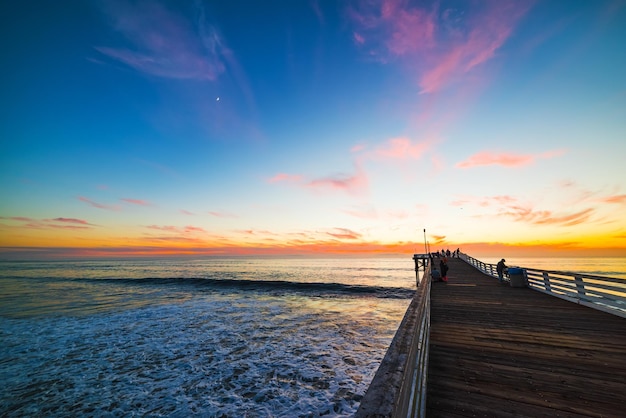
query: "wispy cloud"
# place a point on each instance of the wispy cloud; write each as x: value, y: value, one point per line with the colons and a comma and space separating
x: 401, y: 149
x: 189, y: 229
x: 505, y: 159
x: 98, y: 205
x: 355, y: 183
x: 17, y: 218
x: 440, y: 45
x: 284, y: 177
x: 438, y: 239
x: 138, y: 202
x: 362, y: 212
x: 164, y: 43
x: 620, y: 198
x: 71, y: 221
x: 566, y: 220
x: 186, y: 212
x: 222, y: 214
x: 55, y: 223
x: 343, y: 233
x: 510, y: 207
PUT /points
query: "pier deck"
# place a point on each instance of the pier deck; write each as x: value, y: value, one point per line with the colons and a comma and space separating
x: 498, y: 351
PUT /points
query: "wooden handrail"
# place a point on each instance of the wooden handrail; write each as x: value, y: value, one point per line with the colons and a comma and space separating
x: 607, y: 294
x: 399, y: 386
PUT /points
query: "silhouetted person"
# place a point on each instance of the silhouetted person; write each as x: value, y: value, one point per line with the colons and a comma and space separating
x: 435, y: 274
x: 443, y: 265
x: 500, y: 269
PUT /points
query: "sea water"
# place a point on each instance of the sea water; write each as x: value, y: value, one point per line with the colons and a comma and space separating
x: 202, y: 337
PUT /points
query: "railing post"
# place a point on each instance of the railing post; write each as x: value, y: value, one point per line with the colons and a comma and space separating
x: 580, y: 287
x: 546, y: 281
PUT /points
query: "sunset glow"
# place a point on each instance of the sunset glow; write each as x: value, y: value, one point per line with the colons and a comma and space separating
x: 313, y: 128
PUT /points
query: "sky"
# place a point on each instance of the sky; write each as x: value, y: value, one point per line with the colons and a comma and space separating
x: 312, y: 127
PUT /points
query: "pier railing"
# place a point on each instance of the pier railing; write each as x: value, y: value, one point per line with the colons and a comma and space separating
x: 606, y: 294
x: 399, y: 386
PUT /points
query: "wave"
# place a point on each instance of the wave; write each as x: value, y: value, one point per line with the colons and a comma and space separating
x: 272, y: 286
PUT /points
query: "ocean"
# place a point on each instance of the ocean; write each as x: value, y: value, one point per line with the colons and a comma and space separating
x: 211, y: 337
x: 196, y: 337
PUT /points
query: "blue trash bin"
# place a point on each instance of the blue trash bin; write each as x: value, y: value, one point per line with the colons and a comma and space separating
x: 517, y: 277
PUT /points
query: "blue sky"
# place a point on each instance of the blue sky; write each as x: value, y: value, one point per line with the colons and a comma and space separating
x: 313, y: 127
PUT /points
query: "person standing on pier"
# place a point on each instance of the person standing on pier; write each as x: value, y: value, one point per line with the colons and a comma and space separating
x: 500, y: 269
x: 443, y: 266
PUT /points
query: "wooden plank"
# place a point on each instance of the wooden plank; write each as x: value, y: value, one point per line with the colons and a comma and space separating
x: 498, y: 351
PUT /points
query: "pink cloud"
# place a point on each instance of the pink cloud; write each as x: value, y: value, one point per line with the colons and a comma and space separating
x: 137, y: 202
x: 222, y: 214
x: 71, y: 221
x: 186, y: 212
x: 285, y: 177
x: 401, y: 148
x: 504, y: 159
x: 397, y: 214
x: 362, y: 213
x: 357, y: 148
x: 488, y: 158
x: 356, y: 183
x: 438, y: 47
x: 189, y: 229
x: 358, y: 38
x: 165, y: 44
x: 98, y: 205
x: 193, y: 229
x: 353, y: 184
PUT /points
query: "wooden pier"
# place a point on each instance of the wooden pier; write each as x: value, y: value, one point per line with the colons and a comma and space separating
x: 499, y: 351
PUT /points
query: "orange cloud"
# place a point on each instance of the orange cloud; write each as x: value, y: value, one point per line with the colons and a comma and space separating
x: 566, y: 220
x: 621, y: 198
x: 511, y: 207
x: 344, y: 233
x: 438, y: 239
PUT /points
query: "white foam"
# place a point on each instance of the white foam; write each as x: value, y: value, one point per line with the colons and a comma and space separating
x: 236, y: 354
